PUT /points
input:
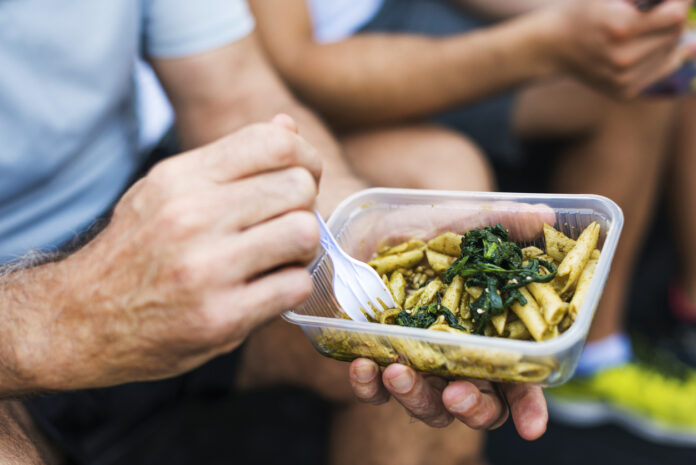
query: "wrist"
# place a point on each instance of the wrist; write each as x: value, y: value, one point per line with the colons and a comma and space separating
x: 548, y: 36
x: 34, y: 299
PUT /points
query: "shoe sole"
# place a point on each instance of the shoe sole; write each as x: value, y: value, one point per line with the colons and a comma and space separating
x: 587, y: 414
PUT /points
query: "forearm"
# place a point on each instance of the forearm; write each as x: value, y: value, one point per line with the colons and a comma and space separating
x: 363, y: 80
x: 33, y: 299
x: 205, y: 121
x: 210, y: 111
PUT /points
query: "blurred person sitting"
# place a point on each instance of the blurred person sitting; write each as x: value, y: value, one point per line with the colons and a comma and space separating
x: 506, y: 74
x: 176, y: 277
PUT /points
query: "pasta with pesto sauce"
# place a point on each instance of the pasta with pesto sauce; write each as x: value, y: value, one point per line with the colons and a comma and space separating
x: 477, y: 283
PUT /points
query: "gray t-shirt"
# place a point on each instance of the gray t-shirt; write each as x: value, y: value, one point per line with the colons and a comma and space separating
x: 68, y: 131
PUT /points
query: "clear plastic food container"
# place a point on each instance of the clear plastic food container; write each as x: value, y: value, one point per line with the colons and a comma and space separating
x: 375, y: 216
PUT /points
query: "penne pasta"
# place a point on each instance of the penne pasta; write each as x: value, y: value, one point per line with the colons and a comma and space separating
x: 413, y: 244
x: 436, y: 290
x: 530, y: 315
x: 532, y: 252
x: 499, y: 321
x: 517, y: 330
x: 439, y: 262
x: 453, y: 295
x: 447, y: 243
x: 557, y: 243
x: 429, y: 292
x: 413, y: 299
x: 397, y: 286
x: 552, y: 307
x: 388, y: 263
x: 574, y: 262
x: 581, y: 289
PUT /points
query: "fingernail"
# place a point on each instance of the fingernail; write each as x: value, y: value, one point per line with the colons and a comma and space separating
x: 365, y: 372
x: 402, y: 383
x: 463, y: 404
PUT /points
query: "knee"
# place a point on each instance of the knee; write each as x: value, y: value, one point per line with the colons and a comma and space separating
x: 454, y: 162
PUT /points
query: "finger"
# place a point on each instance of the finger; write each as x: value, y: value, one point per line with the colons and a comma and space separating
x: 238, y: 206
x: 267, y: 296
x: 476, y: 403
x: 524, y: 221
x: 285, y: 121
x: 528, y: 409
x: 259, y: 198
x: 625, y: 22
x: 647, y: 49
x: 366, y: 382
x: 666, y: 15
x: 658, y: 70
x: 421, y: 397
x: 252, y: 150
x: 292, y: 238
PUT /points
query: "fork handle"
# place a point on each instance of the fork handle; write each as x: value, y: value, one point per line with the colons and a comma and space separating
x: 325, y: 237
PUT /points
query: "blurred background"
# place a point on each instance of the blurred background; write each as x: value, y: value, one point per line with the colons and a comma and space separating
x: 447, y: 94
x: 298, y: 432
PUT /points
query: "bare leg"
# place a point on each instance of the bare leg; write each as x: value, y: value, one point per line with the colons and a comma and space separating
x: 421, y: 157
x: 683, y: 195
x: 385, y: 434
x: 21, y: 443
x: 617, y: 149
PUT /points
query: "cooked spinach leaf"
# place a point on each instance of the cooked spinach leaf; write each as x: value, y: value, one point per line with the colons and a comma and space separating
x: 490, y: 261
x: 425, y: 315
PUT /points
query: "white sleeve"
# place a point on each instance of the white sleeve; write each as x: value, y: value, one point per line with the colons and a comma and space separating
x: 177, y: 28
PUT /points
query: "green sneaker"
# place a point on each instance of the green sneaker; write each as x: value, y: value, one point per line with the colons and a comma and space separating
x: 656, y: 404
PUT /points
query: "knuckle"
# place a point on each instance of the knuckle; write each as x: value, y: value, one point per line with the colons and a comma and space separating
x: 304, y: 232
x: 189, y: 273
x: 176, y: 218
x: 482, y: 420
x: 618, y: 29
x: 280, y: 145
x: 163, y: 172
x: 622, y: 60
x: 303, y: 185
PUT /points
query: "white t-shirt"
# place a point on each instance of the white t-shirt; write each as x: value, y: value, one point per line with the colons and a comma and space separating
x: 334, y: 20
x: 68, y: 127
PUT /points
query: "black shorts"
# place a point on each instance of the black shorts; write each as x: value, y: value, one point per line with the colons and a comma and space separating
x: 487, y: 122
x: 98, y: 426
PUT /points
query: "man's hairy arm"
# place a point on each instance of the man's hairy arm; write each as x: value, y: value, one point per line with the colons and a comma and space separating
x: 24, y: 286
x: 375, y: 78
x: 217, y: 92
x: 177, y: 276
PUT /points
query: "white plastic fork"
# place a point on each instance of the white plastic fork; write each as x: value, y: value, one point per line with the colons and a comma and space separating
x: 357, y: 286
